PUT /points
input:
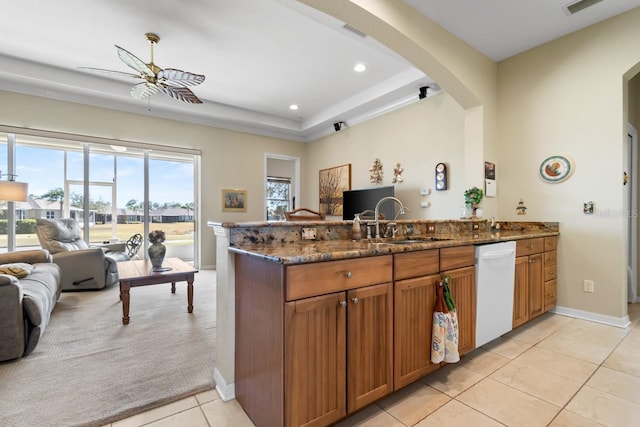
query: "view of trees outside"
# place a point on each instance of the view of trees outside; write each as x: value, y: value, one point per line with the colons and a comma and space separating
x: 41, y: 163
x: 278, y: 198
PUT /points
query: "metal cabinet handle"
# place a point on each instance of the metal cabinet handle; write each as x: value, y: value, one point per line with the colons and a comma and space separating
x: 355, y: 300
x: 530, y: 246
x: 343, y: 303
x: 348, y: 275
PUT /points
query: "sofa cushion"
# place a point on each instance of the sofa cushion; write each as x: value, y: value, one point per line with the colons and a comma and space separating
x: 40, y: 290
x: 17, y: 269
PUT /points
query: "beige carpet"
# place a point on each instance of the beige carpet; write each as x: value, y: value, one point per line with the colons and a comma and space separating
x: 89, y: 369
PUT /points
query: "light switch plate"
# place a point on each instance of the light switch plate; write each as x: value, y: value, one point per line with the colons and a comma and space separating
x: 308, y: 234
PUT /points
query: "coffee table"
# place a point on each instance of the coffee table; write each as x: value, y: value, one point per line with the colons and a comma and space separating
x: 139, y: 273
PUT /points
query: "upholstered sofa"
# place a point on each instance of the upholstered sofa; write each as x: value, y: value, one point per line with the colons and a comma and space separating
x: 82, y: 267
x: 28, y: 294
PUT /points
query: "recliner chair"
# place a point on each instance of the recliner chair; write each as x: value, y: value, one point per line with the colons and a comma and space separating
x: 82, y: 267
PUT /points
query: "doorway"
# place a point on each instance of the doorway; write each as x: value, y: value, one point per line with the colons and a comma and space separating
x: 631, y: 201
x: 286, y: 167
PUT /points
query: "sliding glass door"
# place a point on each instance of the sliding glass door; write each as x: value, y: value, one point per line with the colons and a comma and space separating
x: 114, y: 191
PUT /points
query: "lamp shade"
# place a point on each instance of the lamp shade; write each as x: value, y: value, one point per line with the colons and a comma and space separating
x: 12, y: 191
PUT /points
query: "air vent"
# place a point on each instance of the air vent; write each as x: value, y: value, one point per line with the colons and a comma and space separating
x: 579, y: 5
x: 354, y: 30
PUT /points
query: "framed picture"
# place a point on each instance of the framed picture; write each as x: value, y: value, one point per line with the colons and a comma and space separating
x: 333, y: 182
x: 234, y: 200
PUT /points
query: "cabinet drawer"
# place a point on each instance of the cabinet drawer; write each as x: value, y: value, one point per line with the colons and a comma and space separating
x: 551, y: 243
x: 305, y: 280
x: 551, y: 258
x: 416, y: 264
x: 529, y: 246
x: 550, y: 272
x: 457, y: 257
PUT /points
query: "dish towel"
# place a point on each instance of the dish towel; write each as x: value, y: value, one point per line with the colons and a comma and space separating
x: 444, y: 335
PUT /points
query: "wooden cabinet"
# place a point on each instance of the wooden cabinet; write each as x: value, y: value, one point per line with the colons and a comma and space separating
x: 316, y: 342
x: 369, y: 345
x: 337, y: 344
x: 463, y: 291
x: 315, y: 360
x: 521, y: 292
x: 535, y: 278
x: 414, y: 300
x: 313, y: 341
x: 550, y: 272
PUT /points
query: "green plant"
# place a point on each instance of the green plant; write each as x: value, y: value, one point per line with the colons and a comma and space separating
x: 473, y: 196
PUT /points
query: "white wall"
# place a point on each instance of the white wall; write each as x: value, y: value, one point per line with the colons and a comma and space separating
x: 418, y: 137
x: 567, y: 97
x: 229, y: 159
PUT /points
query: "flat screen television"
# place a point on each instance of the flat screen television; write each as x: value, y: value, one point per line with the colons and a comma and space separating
x: 356, y: 201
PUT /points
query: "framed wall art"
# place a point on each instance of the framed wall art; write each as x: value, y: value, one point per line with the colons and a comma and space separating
x: 332, y: 182
x: 234, y: 200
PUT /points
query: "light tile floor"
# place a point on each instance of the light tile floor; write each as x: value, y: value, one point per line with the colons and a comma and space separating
x: 554, y: 371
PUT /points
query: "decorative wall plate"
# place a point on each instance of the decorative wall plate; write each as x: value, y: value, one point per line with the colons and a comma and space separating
x: 555, y: 169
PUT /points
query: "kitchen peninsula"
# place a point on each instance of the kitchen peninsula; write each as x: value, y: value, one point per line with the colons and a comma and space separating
x: 320, y: 328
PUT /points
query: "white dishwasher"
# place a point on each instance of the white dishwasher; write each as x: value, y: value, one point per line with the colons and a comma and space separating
x: 495, y: 277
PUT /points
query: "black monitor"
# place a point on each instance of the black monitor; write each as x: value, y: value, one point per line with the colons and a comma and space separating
x: 356, y: 201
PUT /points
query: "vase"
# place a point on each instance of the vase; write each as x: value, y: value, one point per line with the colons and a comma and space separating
x: 156, y: 255
x: 474, y: 209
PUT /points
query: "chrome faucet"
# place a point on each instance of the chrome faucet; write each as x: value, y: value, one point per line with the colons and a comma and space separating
x: 377, y: 219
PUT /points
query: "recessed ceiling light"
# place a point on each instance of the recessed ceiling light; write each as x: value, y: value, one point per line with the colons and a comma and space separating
x: 359, y: 68
x: 293, y: 107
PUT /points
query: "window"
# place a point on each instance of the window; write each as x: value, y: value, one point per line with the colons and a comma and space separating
x: 278, y: 198
x: 101, y: 184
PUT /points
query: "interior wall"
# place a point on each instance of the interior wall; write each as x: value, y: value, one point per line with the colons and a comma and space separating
x: 229, y: 159
x: 418, y: 137
x: 465, y: 74
x: 566, y: 98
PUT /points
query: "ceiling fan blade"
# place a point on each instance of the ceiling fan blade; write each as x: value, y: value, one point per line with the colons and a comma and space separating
x: 176, y: 77
x: 110, y: 72
x: 134, y: 62
x: 143, y: 90
x: 180, y: 93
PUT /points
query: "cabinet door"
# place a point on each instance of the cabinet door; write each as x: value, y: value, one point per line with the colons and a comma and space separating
x: 369, y: 344
x: 315, y: 360
x: 413, y: 303
x: 463, y: 291
x: 536, y: 285
x: 521, y: 292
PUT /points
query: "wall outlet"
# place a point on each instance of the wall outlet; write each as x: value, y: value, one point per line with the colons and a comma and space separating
x: 425, y: 204
x: 588, y: 285
x: 308, y: 234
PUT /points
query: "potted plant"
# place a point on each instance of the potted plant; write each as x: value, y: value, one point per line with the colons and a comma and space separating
x: 472, y: 198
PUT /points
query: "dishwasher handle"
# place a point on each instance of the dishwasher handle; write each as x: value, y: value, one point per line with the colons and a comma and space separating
x: 497, y: 254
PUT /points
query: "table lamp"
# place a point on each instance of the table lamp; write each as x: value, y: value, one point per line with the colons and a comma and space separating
x: 12, y: 191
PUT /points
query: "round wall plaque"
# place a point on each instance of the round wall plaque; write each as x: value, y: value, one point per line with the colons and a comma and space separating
x: 555, y: 169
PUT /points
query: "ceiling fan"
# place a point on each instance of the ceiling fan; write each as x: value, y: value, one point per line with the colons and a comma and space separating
x: 170, y: 81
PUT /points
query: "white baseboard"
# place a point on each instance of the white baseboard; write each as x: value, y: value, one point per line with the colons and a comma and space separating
x: 226, y: 391
x: 620, y: 322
